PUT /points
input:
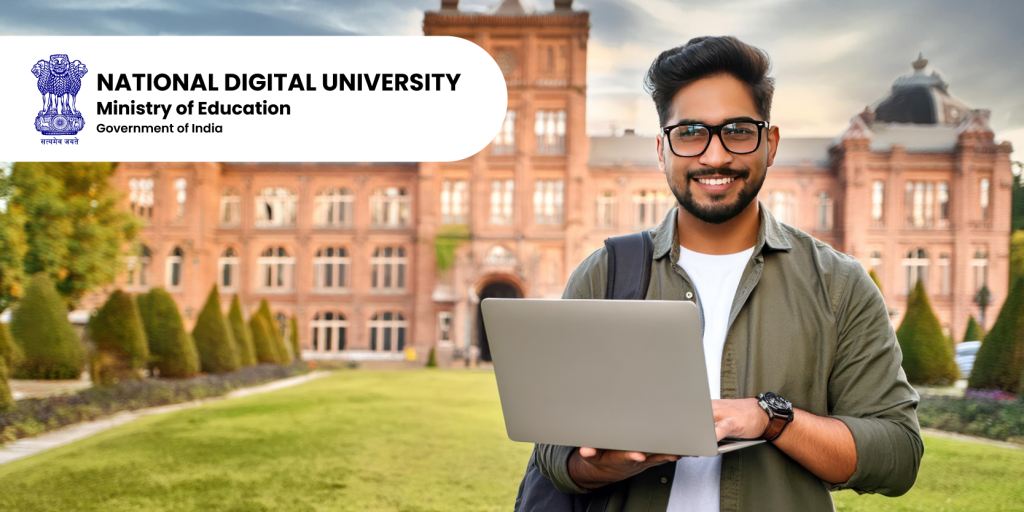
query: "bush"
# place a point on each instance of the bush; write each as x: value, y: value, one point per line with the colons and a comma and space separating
x: 432, y: 359
x: 974, y: 331
x: 242, y: 334
x: 6, y: 400
x: 284, y: 357
x: 874, y: 278
x: 293, y: 336
x: 927, y: 354
x: 40, y: 327
x: 983, y: 417
x: 172, y: 352
x: 121, y: 352
x: 263, y: 340
x: 214, y: 341
x: 9, y: 350
x: 1000, y: 360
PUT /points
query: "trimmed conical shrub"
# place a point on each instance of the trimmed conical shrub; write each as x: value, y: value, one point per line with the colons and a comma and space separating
x: 293, y: 337
x: 974, y: 331
x: 432, y: 359
x: 1000, y: 360
x: 121, y: 351
x: 283, y: 355
x: 243, y: 334
x: 874, y: 277
x: 172, y: 353
x: 927, y: 355
x: 263, y: 340
x: 41, y: 329
x: 6, y: 400
x: 214, y: 341
x: 9, y: 350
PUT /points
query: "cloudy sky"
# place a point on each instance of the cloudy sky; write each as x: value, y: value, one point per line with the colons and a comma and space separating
x: 830, y: 58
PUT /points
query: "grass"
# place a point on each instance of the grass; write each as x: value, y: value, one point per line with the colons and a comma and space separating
x: 361, y: 440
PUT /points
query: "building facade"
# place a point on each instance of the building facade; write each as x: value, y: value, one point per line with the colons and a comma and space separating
x: 374, y: 259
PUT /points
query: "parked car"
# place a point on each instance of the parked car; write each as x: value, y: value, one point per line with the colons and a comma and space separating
x: 965, y: 353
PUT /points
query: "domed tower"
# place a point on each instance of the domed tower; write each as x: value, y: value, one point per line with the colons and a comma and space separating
x: 921, y: 98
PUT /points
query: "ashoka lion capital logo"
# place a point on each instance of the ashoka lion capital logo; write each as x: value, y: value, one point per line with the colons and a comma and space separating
x: 59, y: 82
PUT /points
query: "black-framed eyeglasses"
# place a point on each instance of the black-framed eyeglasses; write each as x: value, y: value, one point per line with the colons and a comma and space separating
x: 692, y: 139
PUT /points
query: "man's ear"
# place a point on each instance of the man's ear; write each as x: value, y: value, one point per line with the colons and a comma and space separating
x: 661, y: 154
x: 773, y: 144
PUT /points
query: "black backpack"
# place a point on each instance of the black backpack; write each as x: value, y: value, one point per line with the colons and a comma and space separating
x: 629, y: 274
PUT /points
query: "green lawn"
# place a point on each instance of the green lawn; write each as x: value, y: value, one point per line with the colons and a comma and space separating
x: 361, y: 440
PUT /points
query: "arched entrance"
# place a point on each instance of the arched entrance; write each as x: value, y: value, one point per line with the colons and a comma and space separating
x: 493, y: 290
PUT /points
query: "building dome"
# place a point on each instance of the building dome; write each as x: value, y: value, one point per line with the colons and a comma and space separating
x: 921, y: 99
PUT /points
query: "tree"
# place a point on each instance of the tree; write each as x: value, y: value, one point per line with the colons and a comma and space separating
x: 9, y: 350
x: 72, y: 227
x: 277, y: 337
x: 927, y: 355
x: 974, y: 331
x: 263, y: 340
x: 172, y: 351
x: 1000, y: 360
x: 1016, y: 254
x: 214, y: 341
x: 432, y: 359
x: 12, y: 244
x: 1017, y: 201
x: 242, y: 333
x: 293, y: 336
x: 6, y: 400
x: 121, y: 351
x: 874, y: 278
x: 40, y: 327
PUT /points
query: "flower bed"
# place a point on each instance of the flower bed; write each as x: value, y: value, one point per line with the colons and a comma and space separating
x: 33, y: 416
x: 995, y: 415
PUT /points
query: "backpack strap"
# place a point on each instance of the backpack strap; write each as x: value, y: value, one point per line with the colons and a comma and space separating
x: 629, y: 266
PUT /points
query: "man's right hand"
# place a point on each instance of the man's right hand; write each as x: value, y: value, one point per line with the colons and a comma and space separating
x: 591, y: 468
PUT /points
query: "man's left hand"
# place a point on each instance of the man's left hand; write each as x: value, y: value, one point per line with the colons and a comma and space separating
x: 741, y: 419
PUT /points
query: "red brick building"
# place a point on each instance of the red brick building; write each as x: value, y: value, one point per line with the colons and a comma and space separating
x: 376, y: 258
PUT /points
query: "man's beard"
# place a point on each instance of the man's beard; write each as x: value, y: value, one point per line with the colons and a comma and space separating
x: 718, y: 211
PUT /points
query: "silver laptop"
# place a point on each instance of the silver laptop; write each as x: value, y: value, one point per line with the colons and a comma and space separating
x: 622, y: 375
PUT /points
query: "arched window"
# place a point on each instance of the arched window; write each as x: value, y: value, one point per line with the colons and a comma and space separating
x: 230, y: 208
x: 332, y: 208
x: 607, y: 210
x: 276, y: 207
x: 389, y: 207
x: 275, y: 270
x: 227, y: 270
x: 330, y: 270
x: 329, y: 332
x: 387, y: 332
x: 824, y: 211
x: 500, y: 256
x: 138, y: 269
x: 174, y: 269
x: 388, y: 269
x: 915, y: 269
x: 180, y: 195
x: 140, y: 195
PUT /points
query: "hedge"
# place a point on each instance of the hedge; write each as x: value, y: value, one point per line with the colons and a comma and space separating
x: 284, y: 356
x: 9, y: 350
x: 974, y: 331
x: 6, y: 400
x: 40, y: 327
x: 927, y: 354
x: 121, y: 351
x: 214, y: 341
x: 983, y: 417
x: 263, y: 340
x: 432, y: 359
x: 293, y: 337
x: 172, y: 351
x: 874, y: 278
x: 242, y: 333
x: 1000, y: 360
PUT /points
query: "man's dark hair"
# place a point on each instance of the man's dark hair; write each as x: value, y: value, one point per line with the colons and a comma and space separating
x: 702, y: 57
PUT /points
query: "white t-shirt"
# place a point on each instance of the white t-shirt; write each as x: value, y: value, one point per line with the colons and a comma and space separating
x: 695, y: 487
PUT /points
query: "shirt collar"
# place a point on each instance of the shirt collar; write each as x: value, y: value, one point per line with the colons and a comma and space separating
x: 770, y: 235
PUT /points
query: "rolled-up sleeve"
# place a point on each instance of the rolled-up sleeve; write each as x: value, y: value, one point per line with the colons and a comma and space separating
x: 869, y: 392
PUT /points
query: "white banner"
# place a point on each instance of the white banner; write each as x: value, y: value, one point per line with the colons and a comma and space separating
x: 249, y: 99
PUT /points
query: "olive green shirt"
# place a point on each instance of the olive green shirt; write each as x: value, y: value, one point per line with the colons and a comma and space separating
x: 808, y: 323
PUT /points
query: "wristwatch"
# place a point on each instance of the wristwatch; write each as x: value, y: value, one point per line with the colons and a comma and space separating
x: 780, y: 414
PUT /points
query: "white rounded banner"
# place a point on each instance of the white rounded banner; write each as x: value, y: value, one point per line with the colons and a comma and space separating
x: 247, y: 99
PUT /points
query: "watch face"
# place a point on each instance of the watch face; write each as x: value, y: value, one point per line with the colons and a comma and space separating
x: 776, y: 402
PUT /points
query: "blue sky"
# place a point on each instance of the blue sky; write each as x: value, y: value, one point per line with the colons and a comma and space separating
x: 830, y: 58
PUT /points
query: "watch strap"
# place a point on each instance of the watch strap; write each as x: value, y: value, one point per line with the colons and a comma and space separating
x: 776, y: 424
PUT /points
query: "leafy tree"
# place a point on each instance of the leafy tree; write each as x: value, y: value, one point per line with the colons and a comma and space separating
x: 974, y: 331
x: 121, y: 351
x: 242, y: 333
x: 1000, y: 360
x: 172, y: 351
x: 293, y: 336
x: 1017, y: 202
x: 1016, y: 255
x: 432, y: 359
x: 283, y: 356
x: 72, y: 227
x: 40, y: 327
x: 9, y: 350
x: 874, y: 278
x: 6, y: 400
x: 927, y: 355
x: 263, y: 340
x: 214, y: 341
x: 12, y: 244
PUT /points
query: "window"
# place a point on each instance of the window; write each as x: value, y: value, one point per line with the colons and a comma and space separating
x: 944, y: 272
x: 984, y: 189
x: 330, y: 270
x: 550, y: 130
x: 500, y: 256
x: 444, y: 329
x: 824, y: 211
x: 174, y: 268
x: 387, y: 332
x: 916, y: 269
x: 329, y: 332
x: 140, y: 195
x: 389, y: 208
x: 138, y: 269
x: 927, y: 204
x: 979, y: 264
x: 180, y: 195
x: 227, y: 270
x: 782, y: 204
x: 276, y: 207
x: 878, y: 204
x: 275, y: 270
x: 650, y: 207
x: 332, y: 208
x: 388, y: 273
x: 502, y: 194
x: 943, y: 204
x: 454, y: 199
x: 230, y: 208
x: 607, y: 210
x: 547, y: 202
x: 505, y: 141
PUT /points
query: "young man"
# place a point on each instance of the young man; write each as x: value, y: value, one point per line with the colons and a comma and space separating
x: 797, y: 339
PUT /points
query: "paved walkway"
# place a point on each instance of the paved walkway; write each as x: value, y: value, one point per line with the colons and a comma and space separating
x: 44, y: 388
x: 32, y: 445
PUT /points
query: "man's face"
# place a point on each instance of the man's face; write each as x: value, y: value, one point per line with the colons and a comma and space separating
x: 716, y: 185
